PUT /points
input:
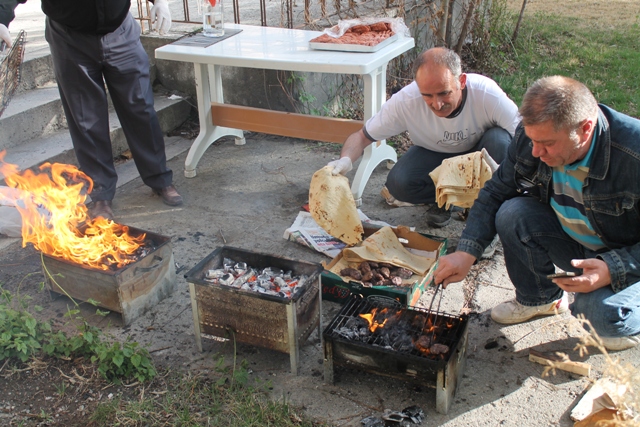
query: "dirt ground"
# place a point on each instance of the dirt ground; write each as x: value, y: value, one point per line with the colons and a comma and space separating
x: 250, y: 194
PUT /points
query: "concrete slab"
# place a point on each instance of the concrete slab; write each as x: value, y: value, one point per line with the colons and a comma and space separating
x: 246, y: 196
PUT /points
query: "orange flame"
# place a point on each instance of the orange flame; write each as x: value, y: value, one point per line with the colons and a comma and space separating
x: 370, y: 318
x: 56, y: 221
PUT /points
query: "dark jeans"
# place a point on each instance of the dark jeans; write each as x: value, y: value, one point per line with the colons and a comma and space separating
x: 533, y: 241
x: 83, y: 63
x: 409, y: 180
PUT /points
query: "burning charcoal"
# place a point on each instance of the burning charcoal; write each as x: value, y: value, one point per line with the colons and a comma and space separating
x: 439, y: 349
x: 367, y: 276
x: 214, y: 274
x: 227, y: 279
x: 228, y: 264
x: 364, y: 267
x: 414, y: 413
x: 279, y: 282
x: 386, y: 273
x: 240, y: 268
x: 423, y: 343
x: 244, y: 278
x: 418, y: 321
x: 265, y: 283
x: 396, y: 281
x: 246, y: 287
x: 351, y: 272
x: 273, y: 272
x: 288, y: 275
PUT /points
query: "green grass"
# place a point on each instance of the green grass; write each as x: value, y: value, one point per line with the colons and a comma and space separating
x: 606, y: 59
x: 186, y: 400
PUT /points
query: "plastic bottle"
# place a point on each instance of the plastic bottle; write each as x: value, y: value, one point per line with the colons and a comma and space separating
x: 212, y: 18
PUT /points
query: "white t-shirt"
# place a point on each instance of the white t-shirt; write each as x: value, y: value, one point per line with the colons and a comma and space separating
x: 486, y: 106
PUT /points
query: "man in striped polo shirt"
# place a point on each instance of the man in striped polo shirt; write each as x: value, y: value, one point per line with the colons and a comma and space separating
x: 566, y: 197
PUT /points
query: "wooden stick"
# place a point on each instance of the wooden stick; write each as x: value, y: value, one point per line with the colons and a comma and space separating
x: 555, y: 361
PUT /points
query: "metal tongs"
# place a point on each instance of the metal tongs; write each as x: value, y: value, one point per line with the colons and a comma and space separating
x: 440, y: 289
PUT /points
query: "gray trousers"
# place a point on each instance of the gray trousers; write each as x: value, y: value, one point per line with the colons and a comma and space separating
x: 83, y: 63
x: 409, y: 180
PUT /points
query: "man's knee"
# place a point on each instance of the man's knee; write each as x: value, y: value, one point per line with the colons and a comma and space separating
x: 496, y: 141
x: 608, y: 320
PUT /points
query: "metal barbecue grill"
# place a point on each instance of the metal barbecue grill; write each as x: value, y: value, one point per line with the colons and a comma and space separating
x: 10, y: 66
x: 391, y: 349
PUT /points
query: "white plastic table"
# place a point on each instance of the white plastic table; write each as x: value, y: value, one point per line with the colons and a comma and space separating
x: 287, y: 50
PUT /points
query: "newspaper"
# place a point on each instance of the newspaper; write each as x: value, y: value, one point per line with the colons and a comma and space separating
x: 307, y: 232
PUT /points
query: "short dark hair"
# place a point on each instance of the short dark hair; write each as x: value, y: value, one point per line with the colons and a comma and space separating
x: 563, y: 101
x: 440, y: 56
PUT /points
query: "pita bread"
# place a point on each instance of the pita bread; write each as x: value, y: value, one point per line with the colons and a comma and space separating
x: 333, y: 207
x: 384, y: 246
x: 459, y: 179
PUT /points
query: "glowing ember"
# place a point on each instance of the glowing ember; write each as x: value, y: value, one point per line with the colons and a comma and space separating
x: 56, y: 221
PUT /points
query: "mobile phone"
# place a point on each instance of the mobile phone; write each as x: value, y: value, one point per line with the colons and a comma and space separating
x: 561, y: 275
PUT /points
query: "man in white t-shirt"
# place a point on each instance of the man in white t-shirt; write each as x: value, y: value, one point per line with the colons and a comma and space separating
x: 446, y: 113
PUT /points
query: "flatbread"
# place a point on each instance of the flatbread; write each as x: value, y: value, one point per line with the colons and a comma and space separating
x: 459, y: 179
x: 333, y: 207
x: 384, y: 246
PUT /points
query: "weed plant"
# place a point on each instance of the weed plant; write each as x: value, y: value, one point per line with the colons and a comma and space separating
x: 23, y: 337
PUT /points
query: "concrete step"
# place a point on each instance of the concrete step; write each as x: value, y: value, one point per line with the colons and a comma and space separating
x: 34, y: 130
x: 31, y: 114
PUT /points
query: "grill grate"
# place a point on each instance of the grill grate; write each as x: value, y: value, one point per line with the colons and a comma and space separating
x: 404, y: 327
x: 10, y: 67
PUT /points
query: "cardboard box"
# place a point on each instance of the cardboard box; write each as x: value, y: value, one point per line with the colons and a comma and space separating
x: 337, y: 290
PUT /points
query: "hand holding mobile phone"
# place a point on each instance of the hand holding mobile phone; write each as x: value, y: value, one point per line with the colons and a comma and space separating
x: 561, y: 275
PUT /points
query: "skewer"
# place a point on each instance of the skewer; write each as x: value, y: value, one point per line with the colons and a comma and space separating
x: 435, y: 293
x: 435, y: 317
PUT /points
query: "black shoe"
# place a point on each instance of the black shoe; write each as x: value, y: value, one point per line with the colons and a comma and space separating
x: 438, y: 217
x: 101, y: 209
x: 170, y: 195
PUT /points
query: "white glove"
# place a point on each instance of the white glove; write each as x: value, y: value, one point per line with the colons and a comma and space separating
x: 161, y: 16
x: 5, y: 35
x: 341, y: 166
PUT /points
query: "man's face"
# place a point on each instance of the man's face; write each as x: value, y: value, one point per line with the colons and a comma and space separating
x: 559, y: 148
x: 440, y: 89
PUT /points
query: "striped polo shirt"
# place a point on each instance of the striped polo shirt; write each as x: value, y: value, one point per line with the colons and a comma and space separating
x: 567, y: 200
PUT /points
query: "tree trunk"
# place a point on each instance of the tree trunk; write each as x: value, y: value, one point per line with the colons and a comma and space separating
x: 517, y: 29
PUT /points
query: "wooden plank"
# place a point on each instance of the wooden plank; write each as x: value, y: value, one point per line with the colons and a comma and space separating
x: 579, y: 368
x: 316, y: 128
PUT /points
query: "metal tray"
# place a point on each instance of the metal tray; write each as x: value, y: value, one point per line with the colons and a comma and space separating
x: 353, y: 47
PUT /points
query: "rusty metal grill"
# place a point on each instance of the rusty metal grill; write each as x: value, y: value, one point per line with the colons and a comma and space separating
x: 391, y: 350
x: 389, y: 340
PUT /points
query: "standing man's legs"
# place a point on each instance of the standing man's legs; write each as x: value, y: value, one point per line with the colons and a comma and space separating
x: 126, y: 73
x: 76, y: 62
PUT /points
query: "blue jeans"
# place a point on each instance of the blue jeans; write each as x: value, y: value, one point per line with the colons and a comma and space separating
x: 409, y: 180
x: 533, y: 241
